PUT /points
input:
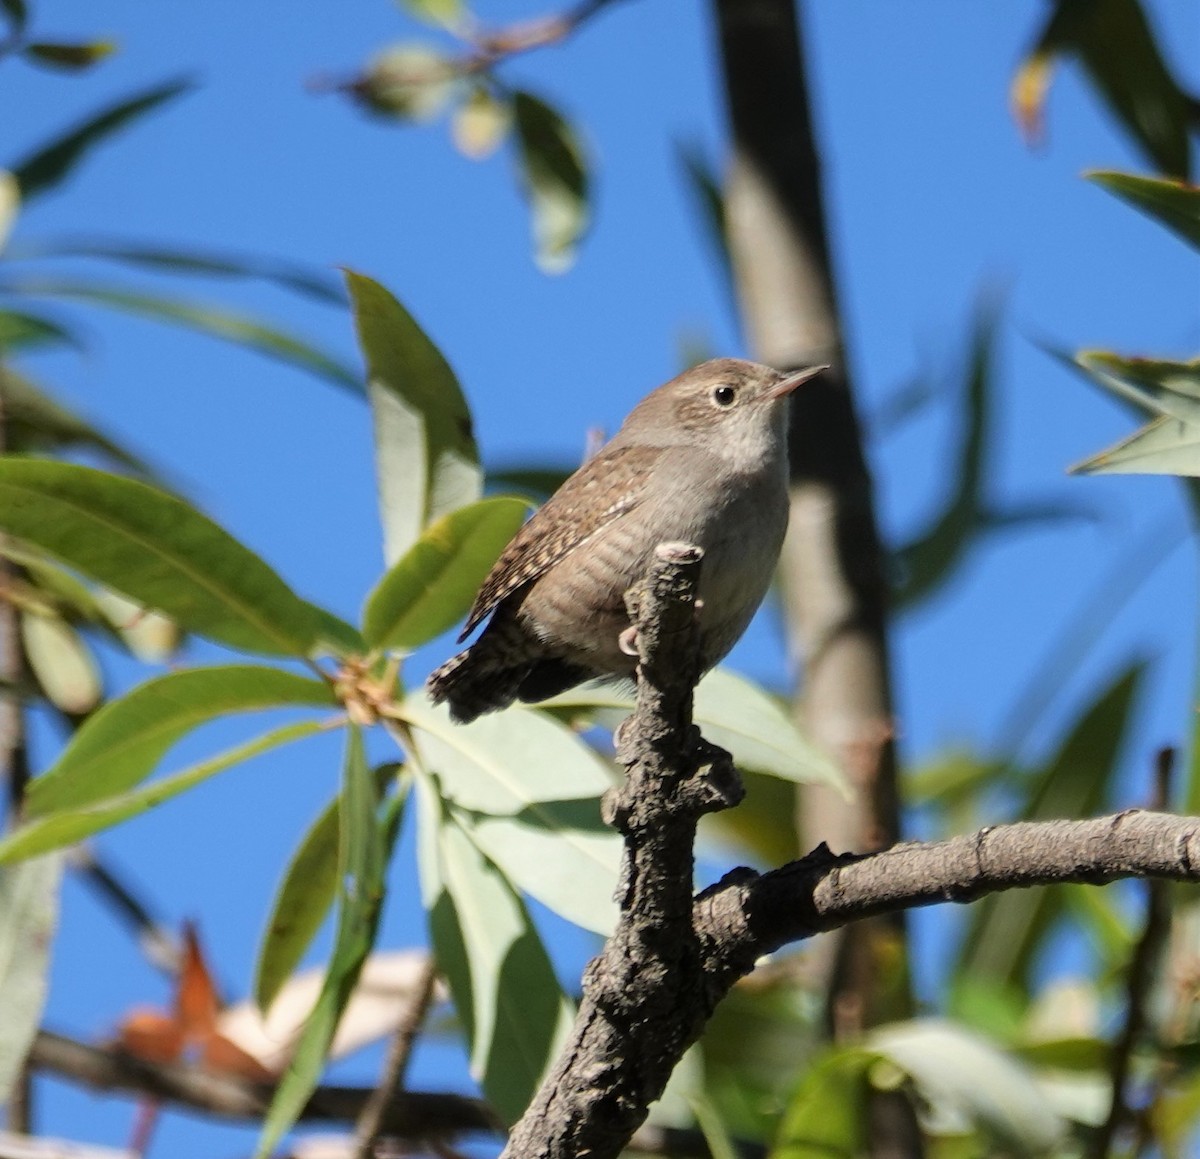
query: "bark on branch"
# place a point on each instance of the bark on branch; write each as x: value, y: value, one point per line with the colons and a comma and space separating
x: 648, y: 995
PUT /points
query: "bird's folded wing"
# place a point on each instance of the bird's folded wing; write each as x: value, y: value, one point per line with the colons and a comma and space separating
x: 603, y: 489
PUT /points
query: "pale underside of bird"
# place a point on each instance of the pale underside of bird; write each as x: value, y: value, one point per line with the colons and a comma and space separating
x: 702, y: 460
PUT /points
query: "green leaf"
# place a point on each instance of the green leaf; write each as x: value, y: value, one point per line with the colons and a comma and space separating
x: 500, y: 977
x: 737, y: 715
x: 28, y: 917
x: 432, y: 586
x: 362, y: 864
x: 215, y: 322
x: 539, y: 483
x: 306, y: 894
x: 157, y: 550
x: 443, y: 13
x: 528, y: 790
x: 43, y: 170
x: 20, y: 331
x: 708, y: 195
x: 75, y: 57
x: 123, y: 742
x: 1173, y: 203
x: 70, y: 826
x: 1114, y: 43
x: 827, y: 1117
x: 10, y: 204
x: 425, y: 454
x: 61, y: 662
x: 1007, y: 931
x: 555, y: 179
x: 407, y: 81
x: 36, y: 422
x: 17, y: 14
x: 162, y: 260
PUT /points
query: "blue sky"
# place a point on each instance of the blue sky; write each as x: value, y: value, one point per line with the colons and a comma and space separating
x: 933, y: 198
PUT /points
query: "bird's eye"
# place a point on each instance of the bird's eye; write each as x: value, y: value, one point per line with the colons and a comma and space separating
x: 724, y: 395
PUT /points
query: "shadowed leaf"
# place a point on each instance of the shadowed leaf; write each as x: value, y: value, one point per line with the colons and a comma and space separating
x: 240, y: 329
x: 74, y: 57
x: 555, y: 178
x: 20, y: 331
x: 47, y: 167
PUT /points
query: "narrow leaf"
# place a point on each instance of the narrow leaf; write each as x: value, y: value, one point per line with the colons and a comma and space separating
x: 1007, y: 930
x: 21, y: 331
x: 306, y: 895
x: 555, y: 179
x: 157, y: 550
x: 425, y: 454
x: 528, y: 790
x: 121, y: 745
x: 1173, y: 203
x: 47, y: 167
x: 53, y: 831
x: 503, y: 985
x: 73, y: 57
x: 710, y: 199
x: 161, y: 260
x: 28, y: 916
x: 10, y: 204
x: 36, y: 422
x: 444, y: 13
x: 737, y: 715
x: 17, y: 15
x: 362, y: 861
x: 241, y: 329
x: 432, y: 586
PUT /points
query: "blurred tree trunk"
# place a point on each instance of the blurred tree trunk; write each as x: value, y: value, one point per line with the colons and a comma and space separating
x: 833, y: 573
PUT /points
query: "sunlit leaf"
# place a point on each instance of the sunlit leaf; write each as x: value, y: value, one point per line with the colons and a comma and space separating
x: 216, y: 322
x: 737, y: 715
x: 47, y: 167
x: 408, y: 81
x: 555, y: 178
x: 503, y: 985
x: 36, y: 422
x: 124, y: 741
x: 362, y: 863
x: 1116, y: 47
x: 28, y: 917
x: 1174, y: 203
x: 425, y: 454
x: 528, y: 790
x: 432, y: 586
x: 73, y: 57
x: 305, y: 896
x: 10, y: 204
x: 1006, y: 931
x: 967, y: 1081
x: 445, y: 13
x: 157, y: 550
x: 480, y: 123
x: 161, y: 259
x: 150, y: 636
x: 53, y: 831
x: 62, y: 663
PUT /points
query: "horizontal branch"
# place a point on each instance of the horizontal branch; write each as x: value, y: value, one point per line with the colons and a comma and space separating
x: 747, y: 914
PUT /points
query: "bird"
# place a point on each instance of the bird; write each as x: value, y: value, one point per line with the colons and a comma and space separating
x: 702, y: 459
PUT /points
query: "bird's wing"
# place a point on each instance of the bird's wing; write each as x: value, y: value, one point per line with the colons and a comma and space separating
x: 602, y: 490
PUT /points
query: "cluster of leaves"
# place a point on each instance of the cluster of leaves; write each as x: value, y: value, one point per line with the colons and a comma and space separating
x: 506, y: 806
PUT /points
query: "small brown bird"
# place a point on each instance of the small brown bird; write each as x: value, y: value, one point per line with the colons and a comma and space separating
x: 702, y: 459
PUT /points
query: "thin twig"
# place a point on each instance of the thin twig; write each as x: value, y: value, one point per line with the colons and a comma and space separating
x: 370, y: 1123
x: 1137, y: 983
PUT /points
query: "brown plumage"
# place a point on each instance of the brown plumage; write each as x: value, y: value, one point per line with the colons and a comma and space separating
x: 701, y: 459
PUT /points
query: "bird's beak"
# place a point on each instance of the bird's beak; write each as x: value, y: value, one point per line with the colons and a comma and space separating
x: 794, y: 380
